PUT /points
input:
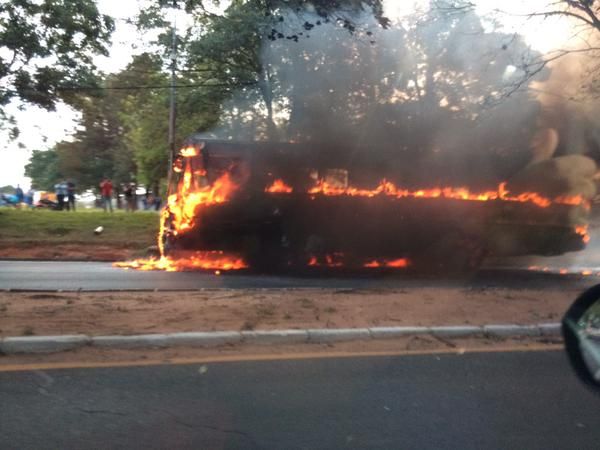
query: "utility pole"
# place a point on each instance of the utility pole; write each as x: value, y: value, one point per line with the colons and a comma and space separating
x: 172, y: 112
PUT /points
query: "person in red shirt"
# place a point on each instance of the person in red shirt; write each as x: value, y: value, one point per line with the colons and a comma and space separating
x: 106, y: 189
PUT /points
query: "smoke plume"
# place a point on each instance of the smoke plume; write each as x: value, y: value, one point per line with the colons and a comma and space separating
x: 420, y: 103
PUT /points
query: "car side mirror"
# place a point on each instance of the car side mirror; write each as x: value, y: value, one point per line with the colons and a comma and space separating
x: 581, y: 332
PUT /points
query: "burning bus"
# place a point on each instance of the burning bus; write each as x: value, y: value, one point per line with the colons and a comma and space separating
x: 273, y: 205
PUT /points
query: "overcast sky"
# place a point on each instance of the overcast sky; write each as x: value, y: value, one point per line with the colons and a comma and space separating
x: 41, y: 130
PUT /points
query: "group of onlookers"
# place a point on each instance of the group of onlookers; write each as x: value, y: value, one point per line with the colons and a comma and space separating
x: 18, y: 198
x: 65, y: 195
x: 24, y: 197
x: 129, y: 196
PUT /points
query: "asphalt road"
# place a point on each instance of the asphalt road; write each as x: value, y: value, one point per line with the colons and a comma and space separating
x: 515, y: 400
x: 60, y: 275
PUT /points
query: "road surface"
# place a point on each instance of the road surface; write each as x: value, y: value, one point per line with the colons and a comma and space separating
x: 504, y: 400
x: 58, y: 275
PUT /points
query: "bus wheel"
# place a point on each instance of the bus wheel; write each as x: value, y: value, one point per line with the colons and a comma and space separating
x: 264, y: 254
x: 454, y: 254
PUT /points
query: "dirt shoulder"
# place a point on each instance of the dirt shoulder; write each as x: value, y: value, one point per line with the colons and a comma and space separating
x: 156, y: 312
x: 71, y: 252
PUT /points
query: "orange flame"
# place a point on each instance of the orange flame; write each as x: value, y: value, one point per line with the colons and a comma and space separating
x: 582, y: 230
x: 372, y: 264
x: 279, y: 186
x: 182, y: 205
x: 188, y: 152
x: 457, y: 193
x: 180, y: 214
x: 400, y: 263
x: 563, y: 271
x: 213, y: 260
x: 333, y: 260
x: 337, y: 260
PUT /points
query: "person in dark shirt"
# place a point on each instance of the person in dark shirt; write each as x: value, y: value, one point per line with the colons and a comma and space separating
x: 29, y: 197
x: 19, y: 194
x: 70, y: 195
x: 130, y: 197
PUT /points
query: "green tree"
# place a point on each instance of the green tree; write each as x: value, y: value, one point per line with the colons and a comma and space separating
x: 8, y: 189
x: 123, y: 128
x: 406, y: 93
x: 96, y: 148
x: 47, y: 47
x: 144, y: 113
x: 224, y: 50
x: 43, y: 169
x: 144, y: 117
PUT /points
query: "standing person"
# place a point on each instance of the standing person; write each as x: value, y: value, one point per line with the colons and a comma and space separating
x: 118, y: 196
x: 106, y: 189
x: 61, y: 193
x: 29, y: 197
x: 70, y: 195
x: 129, y: 201
x: 146, y: 199
x: 19, y: 194
x: 150, y: 201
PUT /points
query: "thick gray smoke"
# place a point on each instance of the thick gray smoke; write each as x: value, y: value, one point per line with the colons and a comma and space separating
x: 422, y: 101
x: 568, y: 107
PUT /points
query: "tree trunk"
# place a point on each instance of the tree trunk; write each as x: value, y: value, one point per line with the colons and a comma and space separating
x: 267, y: 95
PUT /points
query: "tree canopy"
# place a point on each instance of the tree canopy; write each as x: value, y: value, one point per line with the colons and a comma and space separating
x: 47, y: 47
x: 404, y: 91
x: 43, y: 169
x: 421, y: 93
x: 122, y: 131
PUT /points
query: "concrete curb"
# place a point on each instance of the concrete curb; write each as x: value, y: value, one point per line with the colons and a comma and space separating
x: 42, y: 344
x: 325, y: 335
x: 550, y: 329
x: 137, y: 341
x: 456, y: 331
x: 275, y: 337
x: 394, y: 332
x: 509, y: 330
x: 54, y: 344
x: 203, y: 339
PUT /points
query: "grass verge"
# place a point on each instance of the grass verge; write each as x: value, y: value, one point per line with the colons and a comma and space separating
x: 39, y: 233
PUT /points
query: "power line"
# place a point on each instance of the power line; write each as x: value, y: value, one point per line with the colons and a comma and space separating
x: 135, y: 88
x: 225, y: 87
x: 177, y: 86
